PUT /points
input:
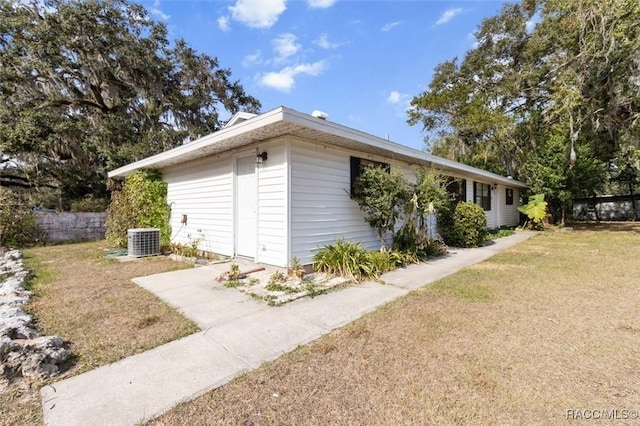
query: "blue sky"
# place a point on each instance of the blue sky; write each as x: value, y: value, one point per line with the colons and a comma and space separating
x: 361, y: 62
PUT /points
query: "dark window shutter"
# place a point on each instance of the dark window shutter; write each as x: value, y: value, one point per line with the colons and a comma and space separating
x: 355, y: 172
x: 463, y: 190
x: 486, y: 197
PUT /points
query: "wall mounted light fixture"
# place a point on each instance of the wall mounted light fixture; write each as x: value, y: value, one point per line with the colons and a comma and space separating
x: 261, y: 157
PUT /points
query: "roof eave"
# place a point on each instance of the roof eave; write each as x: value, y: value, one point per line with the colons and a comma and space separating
x: 384, y: 144
x: 158, y: 160
x: 206, y: 145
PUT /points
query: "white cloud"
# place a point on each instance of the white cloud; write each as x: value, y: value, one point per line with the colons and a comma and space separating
x: 390, y: 26
x: 448, y: 15
x: 258, y: 13
x: 320, y: 4
x: 156, y: 11
x: 284, y: 80
x: 285, y: 45
x: 323, y: 42
x: 223, y: 23
x: 252, y: 59
x: 394, y: 97
x: 400, y: 102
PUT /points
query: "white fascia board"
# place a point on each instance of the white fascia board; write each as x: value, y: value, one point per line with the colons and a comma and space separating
x: 208, y: 140
x: 383, y: 144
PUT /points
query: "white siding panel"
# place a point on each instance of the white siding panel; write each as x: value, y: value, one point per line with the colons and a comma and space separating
x: 491, y: 215
x: 272, y: 210
x: 202, y: 190
x: 321, y: 208
x: 509, y: 214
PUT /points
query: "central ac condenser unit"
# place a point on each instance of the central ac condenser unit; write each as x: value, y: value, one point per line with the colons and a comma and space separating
x: 143, y: 242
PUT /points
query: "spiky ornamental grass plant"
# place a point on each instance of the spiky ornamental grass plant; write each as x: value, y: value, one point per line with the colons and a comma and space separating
x: 355, y: 262
x: 343, y: 258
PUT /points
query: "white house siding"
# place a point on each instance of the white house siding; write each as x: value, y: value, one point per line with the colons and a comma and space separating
x: 470, y: 190
x: 321, y: 208
x: 432, y: 225
x: 272, y: 206
x: 509, y: 215
x: 203, y: 191
x: 497, y: 205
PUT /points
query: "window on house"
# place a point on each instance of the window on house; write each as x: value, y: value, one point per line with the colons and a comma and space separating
x: 482, y: 195
x: 457, y: 187
x: 509, y: 197
x: 357, y: 167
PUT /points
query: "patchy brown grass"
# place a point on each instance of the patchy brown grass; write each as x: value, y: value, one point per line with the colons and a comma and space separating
x: 606, y: 226
x: 92, y: 304
x: 551, y: 325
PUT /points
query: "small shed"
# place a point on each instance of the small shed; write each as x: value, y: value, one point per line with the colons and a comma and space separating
x: 277, y: 185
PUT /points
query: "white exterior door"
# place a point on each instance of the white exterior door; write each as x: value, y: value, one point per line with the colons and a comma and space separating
x: 246, y: 207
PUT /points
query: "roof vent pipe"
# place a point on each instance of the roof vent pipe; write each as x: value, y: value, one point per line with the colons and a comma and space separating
x: 320, y: 114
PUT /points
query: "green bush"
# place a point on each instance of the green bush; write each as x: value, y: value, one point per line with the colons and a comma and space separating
x: 381, y: 195
x: 90, y: 203
x: 469, y: 225
x: 446, y: 230
x: 405, y: 239
x: 18, y: 227
x: 140, y: 203
x: 416, y: 245
x: 429, y: 196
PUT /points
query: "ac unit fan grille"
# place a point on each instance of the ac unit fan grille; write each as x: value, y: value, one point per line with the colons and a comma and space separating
x: 143, y: 242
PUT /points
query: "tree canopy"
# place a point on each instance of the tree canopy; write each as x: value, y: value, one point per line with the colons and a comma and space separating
x: 87, y: 86
x: 550, y: 94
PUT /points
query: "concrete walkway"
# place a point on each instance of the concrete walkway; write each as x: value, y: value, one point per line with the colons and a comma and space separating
x: 238, y: 335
